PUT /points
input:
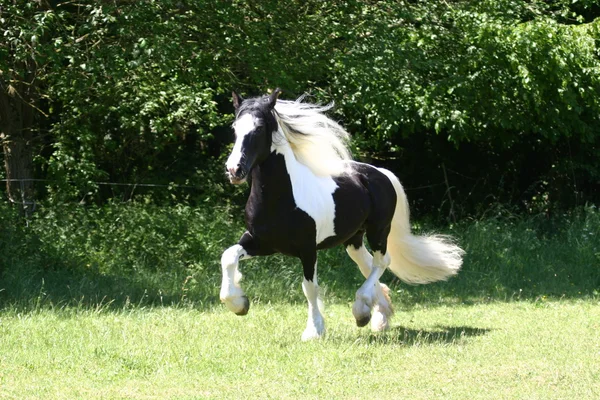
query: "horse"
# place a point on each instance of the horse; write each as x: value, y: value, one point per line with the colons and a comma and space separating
x: 307, y: 194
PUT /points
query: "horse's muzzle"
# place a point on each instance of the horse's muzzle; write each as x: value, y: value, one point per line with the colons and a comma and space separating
x: 237, y: 175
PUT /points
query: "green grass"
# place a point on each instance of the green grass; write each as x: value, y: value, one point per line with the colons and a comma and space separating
x: 148, y: 255
x: 122, y: 302
x: 506, y: 350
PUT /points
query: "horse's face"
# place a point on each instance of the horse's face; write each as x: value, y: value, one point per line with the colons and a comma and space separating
x: 254, y: 125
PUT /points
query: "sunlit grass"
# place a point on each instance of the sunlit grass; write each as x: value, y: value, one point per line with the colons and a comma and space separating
x: 487, y: 351
x: 122, y: 302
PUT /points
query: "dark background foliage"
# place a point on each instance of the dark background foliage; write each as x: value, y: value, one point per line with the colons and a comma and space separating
x: 471, y: 103
x: 115, y: 124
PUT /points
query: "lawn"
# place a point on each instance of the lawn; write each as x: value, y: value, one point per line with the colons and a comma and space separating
x: 121, y: 302
x: 496, y: 350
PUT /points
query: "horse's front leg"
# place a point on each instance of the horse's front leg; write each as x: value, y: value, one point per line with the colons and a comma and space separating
x: 315, y: 325
x: 231, y: 292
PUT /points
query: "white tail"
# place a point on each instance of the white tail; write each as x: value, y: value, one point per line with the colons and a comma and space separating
x: 418, y: 259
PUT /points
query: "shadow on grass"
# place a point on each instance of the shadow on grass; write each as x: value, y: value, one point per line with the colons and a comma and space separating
x: 92, y: 290
x: 134, y: 254
x: 86, y: 288
x: 414, y: 337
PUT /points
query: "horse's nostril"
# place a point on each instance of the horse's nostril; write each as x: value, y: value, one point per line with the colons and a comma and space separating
x: 234, y: 171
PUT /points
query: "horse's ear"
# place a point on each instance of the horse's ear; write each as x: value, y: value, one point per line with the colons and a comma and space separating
x: 237, y: 100
x: 273, y: 98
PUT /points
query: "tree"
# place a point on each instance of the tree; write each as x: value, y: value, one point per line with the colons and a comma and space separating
x: 138, y: 91
x: 510, y: 85
x: 25, y: 28
x: 126, y: 84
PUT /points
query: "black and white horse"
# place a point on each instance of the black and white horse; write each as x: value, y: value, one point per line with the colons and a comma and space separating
x: 306, y: 195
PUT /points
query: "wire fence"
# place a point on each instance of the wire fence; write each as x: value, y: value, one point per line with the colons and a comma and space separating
x: 163, y: 185
x: 29, y: 205
x: 170, y: 185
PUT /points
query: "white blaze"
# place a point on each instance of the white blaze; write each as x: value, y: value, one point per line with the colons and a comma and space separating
x: 243, y: 126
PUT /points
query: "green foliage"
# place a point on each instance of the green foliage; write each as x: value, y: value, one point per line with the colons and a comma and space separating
x: 472, y: 71
x: 139, y: 91
x: 136, y: 96
x: 535, y: 256
x: 510, y: 84
x: 129, y: 251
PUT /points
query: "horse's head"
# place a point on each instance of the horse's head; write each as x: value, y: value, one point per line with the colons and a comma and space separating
x: 254, y: 126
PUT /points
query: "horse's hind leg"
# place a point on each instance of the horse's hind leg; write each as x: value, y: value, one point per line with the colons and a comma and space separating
x: 376, y: 295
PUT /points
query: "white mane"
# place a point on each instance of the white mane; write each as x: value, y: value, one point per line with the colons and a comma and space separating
x: 316, y: 140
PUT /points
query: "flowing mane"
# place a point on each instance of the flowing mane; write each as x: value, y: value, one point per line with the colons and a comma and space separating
x: 317, y: 141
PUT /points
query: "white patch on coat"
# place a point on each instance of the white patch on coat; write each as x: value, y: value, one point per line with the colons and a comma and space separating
x: 382, y: 309
x: 242, y: 126
x: 366, y: 296
x: 312, y: 194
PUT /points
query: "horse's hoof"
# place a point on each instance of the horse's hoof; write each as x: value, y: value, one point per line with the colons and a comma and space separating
x: 311, y: 334
x: 361, y: 312
x: 239, y: 304
x: 245, y: 306
x: 315, y: 329
x: 363, y: 321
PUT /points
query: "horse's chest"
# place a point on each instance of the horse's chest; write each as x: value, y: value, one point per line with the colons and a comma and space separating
x: 293, y: 206
x: 315, y: 197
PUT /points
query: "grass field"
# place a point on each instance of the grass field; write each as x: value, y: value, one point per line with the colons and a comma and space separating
x: 122, y: 303
x: 498, y: 350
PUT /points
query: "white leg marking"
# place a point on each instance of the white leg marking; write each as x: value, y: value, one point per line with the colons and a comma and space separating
x: 362, y: 258
x: 382, y: 310
x: 375, y: 295
x: 315, y: 325
x: 367, y: 290
x: 231, y: 293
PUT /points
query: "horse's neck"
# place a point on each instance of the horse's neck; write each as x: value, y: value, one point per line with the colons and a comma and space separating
x: 270, y: 179
x: 292, y: 166
x: 278, y: 172
x: 282, y: 183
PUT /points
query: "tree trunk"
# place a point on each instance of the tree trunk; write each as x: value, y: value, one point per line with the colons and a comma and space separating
x: 16, y: 120
x: 17, y: 164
